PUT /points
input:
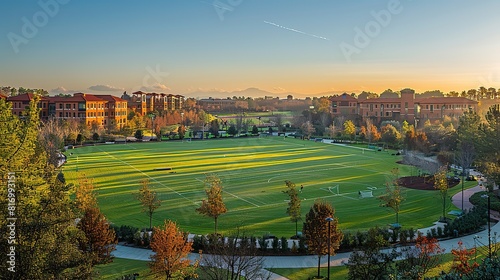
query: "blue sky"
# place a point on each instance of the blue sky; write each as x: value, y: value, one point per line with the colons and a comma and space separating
x: 184, y: 46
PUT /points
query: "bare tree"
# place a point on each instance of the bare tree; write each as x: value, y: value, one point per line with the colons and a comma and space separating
x: 148, y: 198
x: 393, y: 196
x: 233, y: 258
x: 51, y: 137
x: 464, y: 159
x: 308, y: 129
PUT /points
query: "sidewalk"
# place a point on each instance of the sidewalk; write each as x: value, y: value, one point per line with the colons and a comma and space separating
x: 468, y: 241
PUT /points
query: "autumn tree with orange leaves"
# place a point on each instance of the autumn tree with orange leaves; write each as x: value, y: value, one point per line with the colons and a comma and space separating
x: 462, y: 260
x: 171, y: 250
x: 419, y: 259
x: 99, y: 238
x: 213, y: 206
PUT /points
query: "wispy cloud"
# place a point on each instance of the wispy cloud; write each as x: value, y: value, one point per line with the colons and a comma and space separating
x: 105, y: 88
x: 278, y: 89
x: 295, y: 30
x: 61, y: 90
x: 155, y: 87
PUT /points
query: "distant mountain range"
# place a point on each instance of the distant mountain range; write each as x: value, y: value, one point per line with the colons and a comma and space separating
x: 254, y: 92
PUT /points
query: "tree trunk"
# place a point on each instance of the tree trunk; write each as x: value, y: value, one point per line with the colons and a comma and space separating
x: 215, y: 225
x: 150, y: 219
x: 444, y: 208
x: 296, y: 230
x: 319, y: 263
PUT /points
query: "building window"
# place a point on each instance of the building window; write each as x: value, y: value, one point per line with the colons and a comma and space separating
x: 60, y: 106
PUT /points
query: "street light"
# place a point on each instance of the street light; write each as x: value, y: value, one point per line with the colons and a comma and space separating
x: 489, y: 227
x: 329, y: 220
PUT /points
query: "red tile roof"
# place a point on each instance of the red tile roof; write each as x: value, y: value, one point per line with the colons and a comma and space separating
x: 24, y: 97
x: 111, y: 98
x: 381, y: 100
x: 447, y: 100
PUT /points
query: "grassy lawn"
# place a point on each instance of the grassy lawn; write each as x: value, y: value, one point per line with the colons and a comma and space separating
x: 121, y: 267
x: 253, y: 171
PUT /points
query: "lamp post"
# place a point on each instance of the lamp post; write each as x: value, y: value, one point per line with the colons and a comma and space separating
x: 489, y: 227
x: 329, y: 220
x: 183, y: 129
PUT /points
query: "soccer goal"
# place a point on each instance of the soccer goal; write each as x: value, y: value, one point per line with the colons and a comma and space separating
x: 335, y: 189
x: 365, y: 194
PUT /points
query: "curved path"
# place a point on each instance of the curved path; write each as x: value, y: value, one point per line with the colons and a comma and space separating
x: 468, y: 241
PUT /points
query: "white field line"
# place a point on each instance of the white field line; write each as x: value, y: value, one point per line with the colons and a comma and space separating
x: 152, y: 179
x: 241, y: 198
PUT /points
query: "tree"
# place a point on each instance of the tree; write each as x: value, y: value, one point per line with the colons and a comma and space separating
x: 171, y: 250
x: 213, y: 206
x: 293, y: 209
x: 139, y: 134
x: 232, y: 130
x: 461, y: 260
x: 51, y: 137
x: 255, y: 130
x: 308, y: 129
x: 95, y: 137
x: 46, y: 240
x: 99, y: 238
x: 465, y: 158
x: 331, y: 131
x: 349, y: 129
x: 233, y: 258
x: 390, y: 135
x: 489, y: 141
x: 393, y: 196
x: 441, y: 184
x: 181, y: 130
x: 370, y: 262
x: 148, y: 198
x: 419, y: 259
x: 316, y: 230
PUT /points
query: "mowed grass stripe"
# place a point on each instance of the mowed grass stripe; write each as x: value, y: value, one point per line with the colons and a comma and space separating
x: 253, y: 172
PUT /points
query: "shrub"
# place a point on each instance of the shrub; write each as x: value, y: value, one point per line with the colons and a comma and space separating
x: 275, y: 244
x: 284, y: 245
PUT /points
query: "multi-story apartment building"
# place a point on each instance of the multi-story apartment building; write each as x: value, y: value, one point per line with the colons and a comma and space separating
x: 406, y: 107
x: 143, y: 102
x: 101, y: 110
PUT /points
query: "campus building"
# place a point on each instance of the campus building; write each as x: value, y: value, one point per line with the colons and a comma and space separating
x: 143, y: 102
x: 406, y: 107
x: 102, y: 110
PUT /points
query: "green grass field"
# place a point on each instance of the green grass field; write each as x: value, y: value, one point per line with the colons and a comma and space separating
x: 253, y: 171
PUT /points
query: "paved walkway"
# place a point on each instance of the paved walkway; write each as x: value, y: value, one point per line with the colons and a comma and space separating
x: 470, y: 241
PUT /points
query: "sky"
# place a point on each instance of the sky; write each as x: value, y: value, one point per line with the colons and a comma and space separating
x: 193, y: 46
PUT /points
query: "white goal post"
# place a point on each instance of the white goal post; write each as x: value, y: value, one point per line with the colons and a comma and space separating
x: 335, y: 189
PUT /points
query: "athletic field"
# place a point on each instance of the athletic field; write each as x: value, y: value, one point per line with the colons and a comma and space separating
x: 253, y: 172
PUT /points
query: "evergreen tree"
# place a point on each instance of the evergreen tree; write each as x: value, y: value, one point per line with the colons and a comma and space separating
x: 35, y: 204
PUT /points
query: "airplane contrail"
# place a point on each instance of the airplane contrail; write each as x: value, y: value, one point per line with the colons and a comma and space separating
x: 295, y: 30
